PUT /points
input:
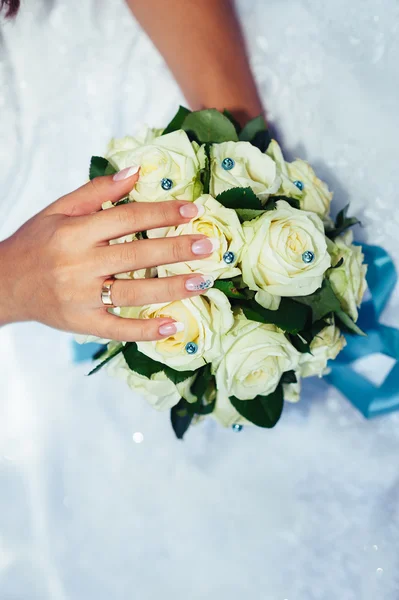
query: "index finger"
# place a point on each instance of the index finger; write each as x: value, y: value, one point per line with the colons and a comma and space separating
x: 139, y: 216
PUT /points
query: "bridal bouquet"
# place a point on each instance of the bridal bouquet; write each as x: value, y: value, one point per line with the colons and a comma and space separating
x: 287, y: 280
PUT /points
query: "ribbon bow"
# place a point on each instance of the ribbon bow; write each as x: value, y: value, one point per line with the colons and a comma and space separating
x: 371, y: 400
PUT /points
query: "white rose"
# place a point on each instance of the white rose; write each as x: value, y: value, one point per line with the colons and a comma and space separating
x: 145, y: 136
x: 251, y: 168
x: 314, y: 195
x: 349, y: 280
x: 292, y: 391
x: 205, y: 319
x: 274, y: 261
x: 217, y: 222
x: 170, y: 159
x: 325, y: 346
x: 225, y: 413
x: 254, y: 357
x: 158, y: 390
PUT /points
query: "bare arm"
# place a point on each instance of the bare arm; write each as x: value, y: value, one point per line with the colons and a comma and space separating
x: 203, y: 45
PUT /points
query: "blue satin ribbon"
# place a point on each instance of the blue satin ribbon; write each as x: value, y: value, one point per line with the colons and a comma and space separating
x: 369, y: 399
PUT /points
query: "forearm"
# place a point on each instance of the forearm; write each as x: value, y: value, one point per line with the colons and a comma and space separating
x: 203, y: 45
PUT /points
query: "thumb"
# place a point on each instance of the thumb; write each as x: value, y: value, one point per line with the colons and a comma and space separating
x: 89, y: 198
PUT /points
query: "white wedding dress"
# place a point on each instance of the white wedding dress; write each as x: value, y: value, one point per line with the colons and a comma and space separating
x: 307, y: 511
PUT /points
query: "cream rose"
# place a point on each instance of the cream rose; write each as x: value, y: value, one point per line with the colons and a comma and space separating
x: 253, y: 359
x: 158, y: 390
x: 349, y: 280
x: 325, y: 346
x: 292, y: 391
x: 239, y: 164
x: 217, y: 222
x: 145, y: 136
x: 285, y: 254
x: 205, y: 319
x: 225, y: 413
x: 169, y: 167
x: 300, y: 181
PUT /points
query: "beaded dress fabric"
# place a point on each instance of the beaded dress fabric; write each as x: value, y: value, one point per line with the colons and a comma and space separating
x: 89, y: 508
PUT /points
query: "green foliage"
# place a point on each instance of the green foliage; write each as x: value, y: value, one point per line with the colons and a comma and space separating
x: 209, y: 125
x: 181, y: 417
x: 323, y: 302
x: 116, y: 351
x: 206, y: 171
x: 291, y: 316
x: 263, y: 411
x: 257, y: 133
x: 239, y: 198
x: 248, y: 214
x: 294, y: 202
x: 234, y: 121
x: 177, y: 376
x: 229, y: 289
x: 177, y: 121
x: 289, y: 377
x: 139, y: 362
x: 342, y: 223
x: 347, y: 324
x: 99, y: 167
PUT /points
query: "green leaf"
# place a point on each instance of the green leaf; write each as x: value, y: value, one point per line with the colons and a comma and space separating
x: 123, y: 201
x: 342, y: 223
x: 304, y: 338
x: 257, y: 133
x: 347, y: 324
x: 177, y: 376
x: 239, y: 197
x: 294, y: 202
x: 289, y: 377
x: 100, y: 166
x: 264, y: 411
x: 139, y: 362
x: 201, y: 382
x: 181, y: 417
x: 230, y: 117
x: 104, y: 362
x: 290, y: 316
x: 177, y: 121
x: 247, y: 214
x: 100, y: 352
x: 209, y: 125
x: 322, y: 302
x: 206, y: 171
x: 229, y: 289
x: 203, y: 409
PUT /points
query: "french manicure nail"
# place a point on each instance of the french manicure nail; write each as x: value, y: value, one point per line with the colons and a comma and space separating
x: 171, y: 328
x: 190, y: 211
x: 199, y: 283
x: 125, y: 173
x: 205, y: 246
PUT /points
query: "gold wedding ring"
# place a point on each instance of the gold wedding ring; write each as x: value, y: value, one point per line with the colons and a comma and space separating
x: 106, y: 292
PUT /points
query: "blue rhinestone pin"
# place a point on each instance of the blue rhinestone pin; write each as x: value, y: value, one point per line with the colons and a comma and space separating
x: 308, y: 256
x: 237, y: 427
x: 166, y: 183
x: 229, y: 257
x: 228, y: 164
x: 191, y: 348
x: 299, y: 184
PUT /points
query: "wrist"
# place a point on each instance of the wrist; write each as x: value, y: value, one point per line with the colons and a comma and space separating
x: 6, y: 309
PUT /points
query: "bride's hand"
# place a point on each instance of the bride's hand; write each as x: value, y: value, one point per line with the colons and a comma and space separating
x: 53, y: 268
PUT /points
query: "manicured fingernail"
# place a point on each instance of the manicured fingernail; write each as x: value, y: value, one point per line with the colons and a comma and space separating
x: 125, y: 173
x: 205, y: 246
x: 199, y: 283
x: 190, y: 211
x: 171, y: 328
